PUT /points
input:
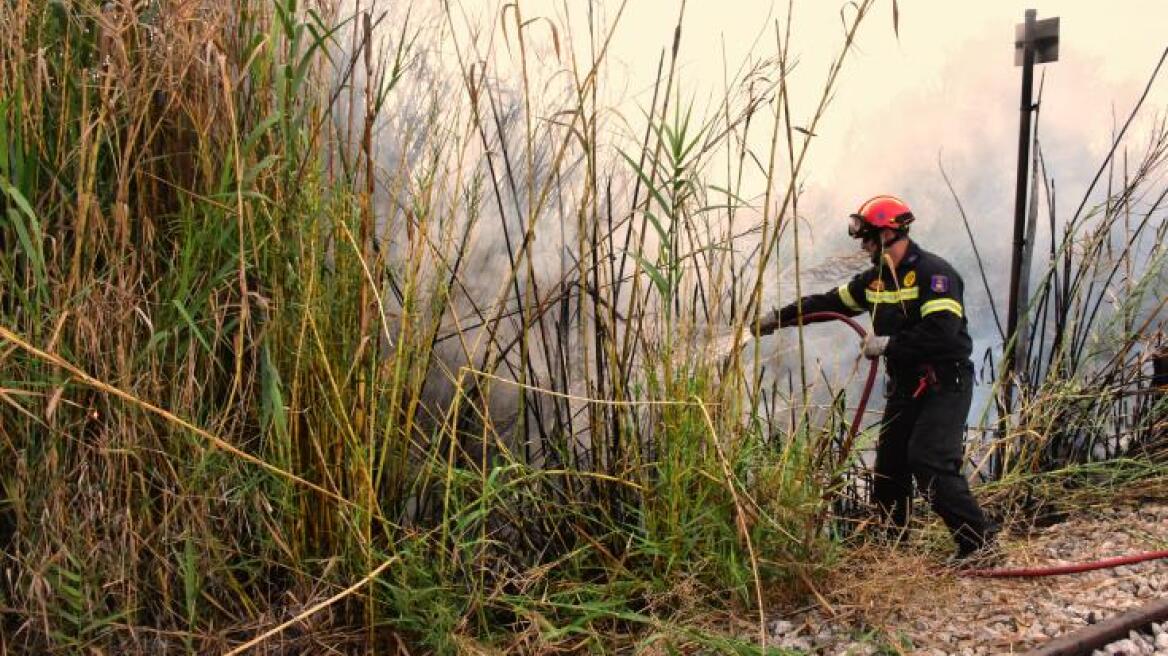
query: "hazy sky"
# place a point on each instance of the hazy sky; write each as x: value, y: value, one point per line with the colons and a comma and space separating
x: 946, y: 85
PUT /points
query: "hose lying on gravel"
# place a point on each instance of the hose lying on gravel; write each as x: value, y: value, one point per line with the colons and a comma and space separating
x: 1071, y: 568
x: 1009, y: 572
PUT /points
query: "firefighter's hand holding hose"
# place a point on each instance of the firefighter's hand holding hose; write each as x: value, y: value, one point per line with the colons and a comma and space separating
x: 874, y: 345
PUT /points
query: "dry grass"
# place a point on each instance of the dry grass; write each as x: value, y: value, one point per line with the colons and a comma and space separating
x: 313, y: 341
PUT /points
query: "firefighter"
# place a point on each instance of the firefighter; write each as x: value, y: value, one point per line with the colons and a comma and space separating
x: 918, y: 325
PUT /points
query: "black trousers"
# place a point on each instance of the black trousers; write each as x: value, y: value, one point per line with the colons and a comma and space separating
x: 921, y: 438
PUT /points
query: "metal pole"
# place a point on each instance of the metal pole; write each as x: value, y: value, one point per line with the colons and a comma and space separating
x: 1012, y: 338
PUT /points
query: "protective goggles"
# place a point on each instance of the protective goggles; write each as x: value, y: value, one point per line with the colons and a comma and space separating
x: 858, y: 228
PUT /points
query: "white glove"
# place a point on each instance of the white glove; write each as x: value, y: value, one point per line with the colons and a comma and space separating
x: 874, y: 346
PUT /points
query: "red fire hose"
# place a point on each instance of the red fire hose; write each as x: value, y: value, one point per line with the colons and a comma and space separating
x: 868, y: 384
x: 1073, y: 568
x: 1011, y: 572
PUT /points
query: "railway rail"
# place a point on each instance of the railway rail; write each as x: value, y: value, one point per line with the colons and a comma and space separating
x: 1107, y: 632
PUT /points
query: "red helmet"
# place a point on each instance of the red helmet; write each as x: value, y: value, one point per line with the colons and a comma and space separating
x: 880, y: 212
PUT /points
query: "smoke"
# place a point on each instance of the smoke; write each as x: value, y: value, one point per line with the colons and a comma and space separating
x: 493, y: 161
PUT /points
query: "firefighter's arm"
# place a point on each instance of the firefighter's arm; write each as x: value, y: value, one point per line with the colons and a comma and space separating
x: 790, y: 314
x: 942, y: 316
x: 847, y: 299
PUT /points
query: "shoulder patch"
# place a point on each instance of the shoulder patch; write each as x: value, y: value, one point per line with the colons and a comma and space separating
x: 910, y: 278
x: 939, y: 283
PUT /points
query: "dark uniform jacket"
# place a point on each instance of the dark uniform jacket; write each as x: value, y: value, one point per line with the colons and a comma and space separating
x: 919, y: 306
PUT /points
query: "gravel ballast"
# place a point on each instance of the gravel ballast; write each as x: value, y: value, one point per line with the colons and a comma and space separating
x: 907, y: 603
